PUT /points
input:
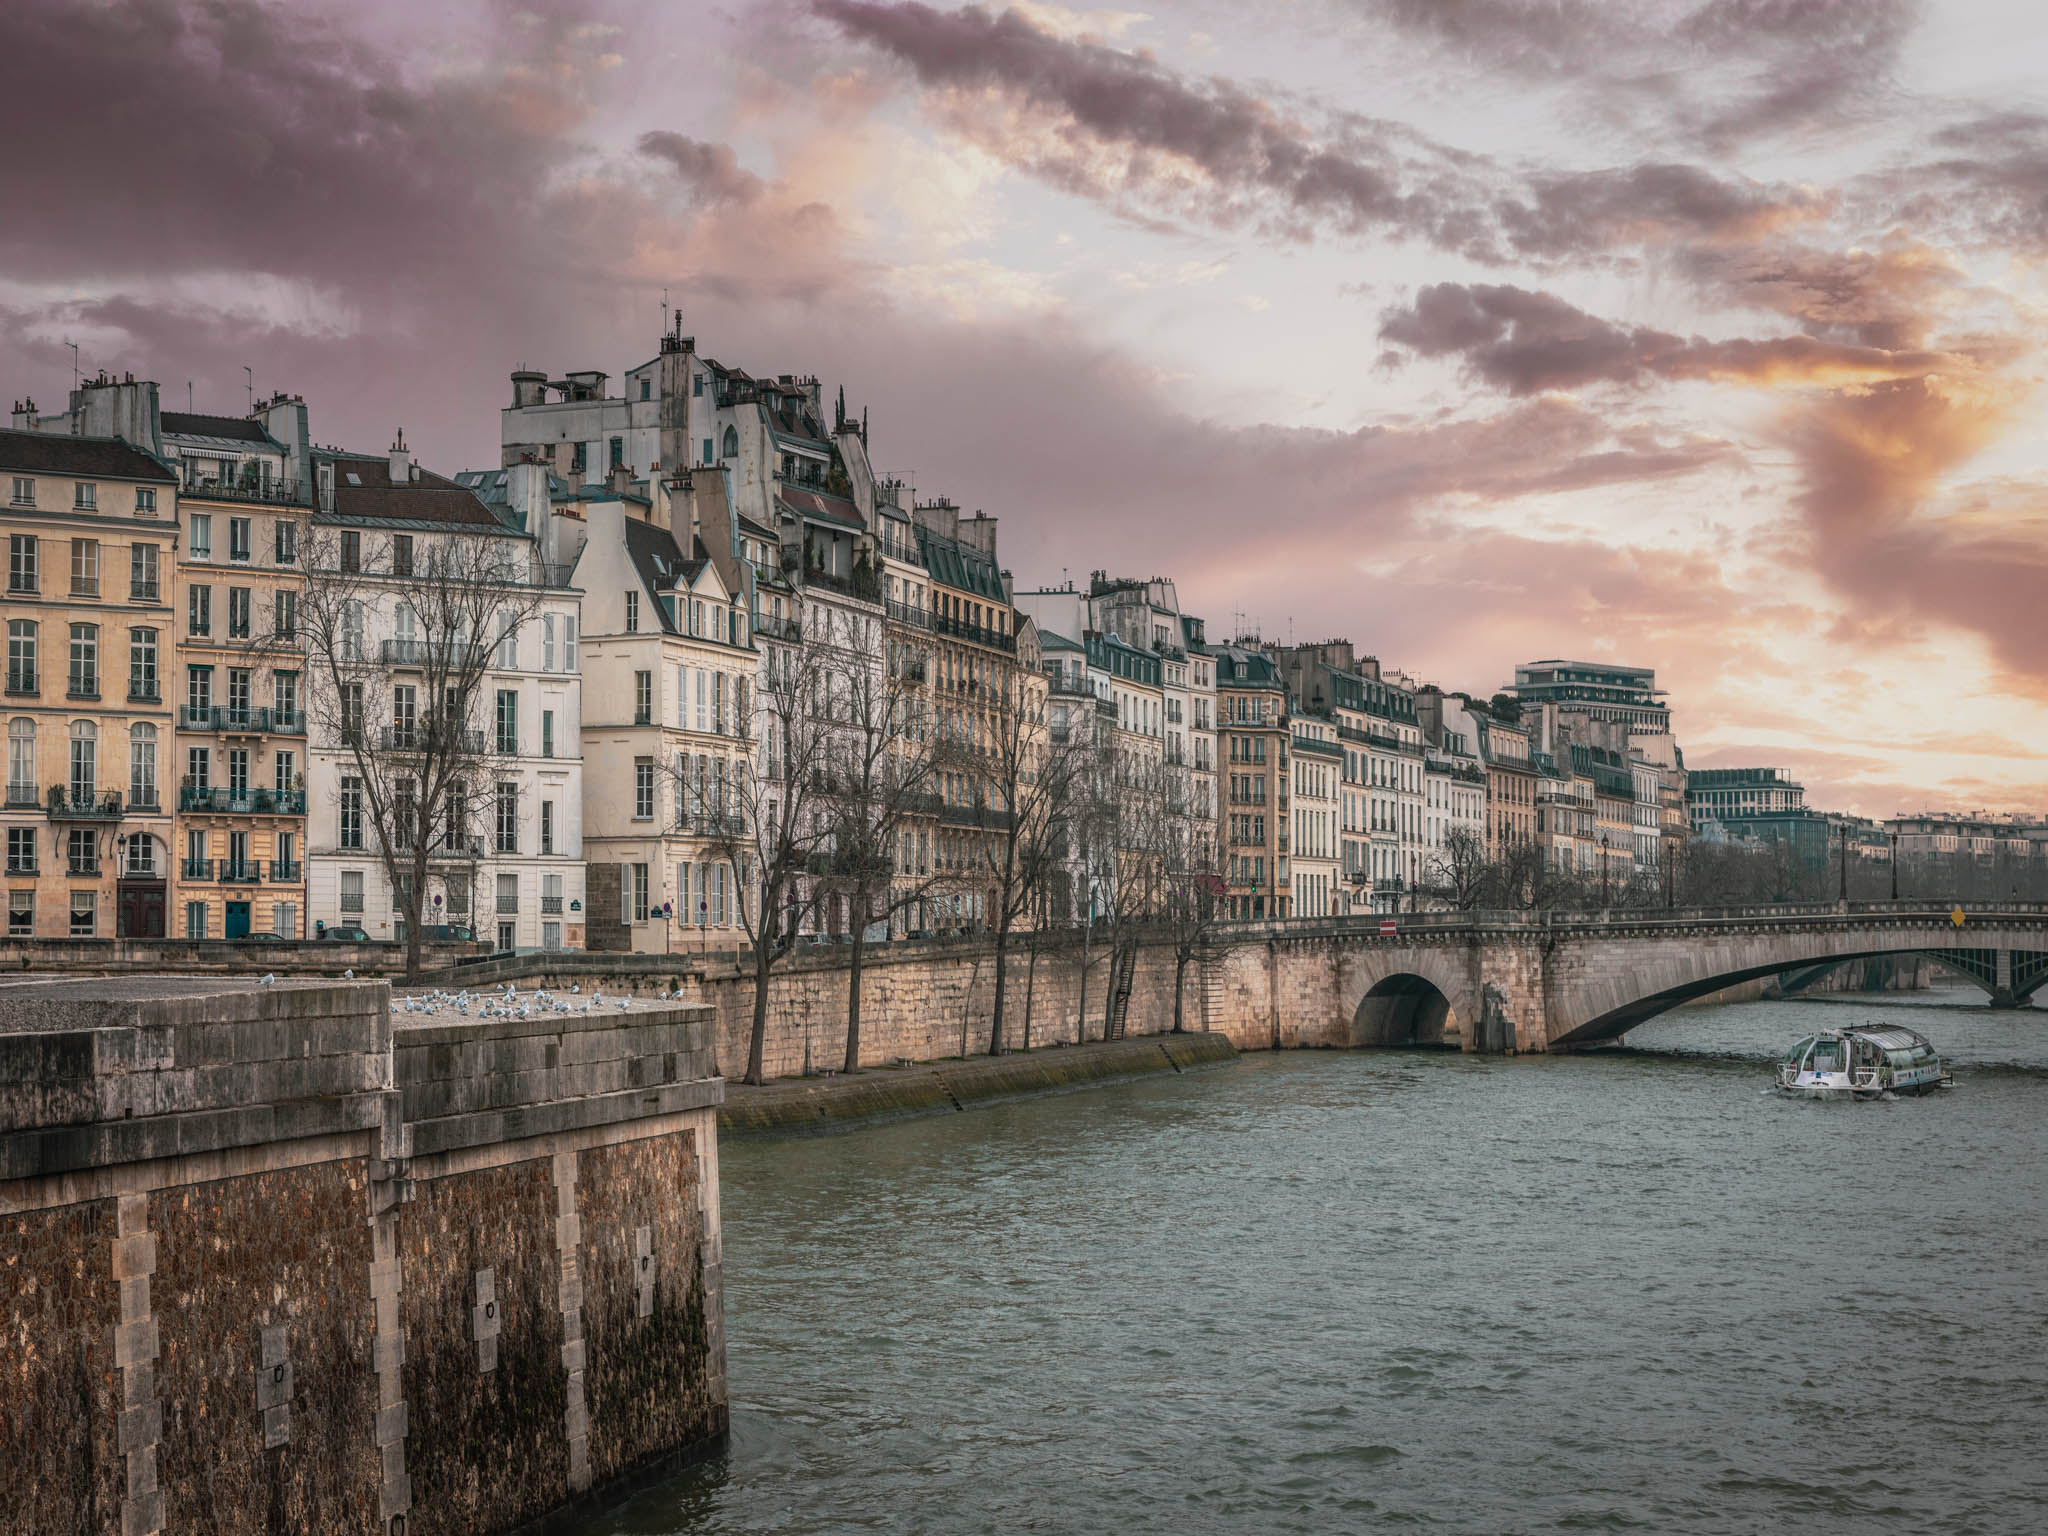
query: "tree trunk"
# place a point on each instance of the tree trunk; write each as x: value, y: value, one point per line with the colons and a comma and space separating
x: 1180, y: 971
x: 1030, y: 986
x: 995, y: 1033
x: 860, y: 944
x: 757, y: 1043
x: 1081, y: 1019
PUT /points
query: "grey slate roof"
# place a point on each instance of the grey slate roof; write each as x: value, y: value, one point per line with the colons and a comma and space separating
x: 51, y: 453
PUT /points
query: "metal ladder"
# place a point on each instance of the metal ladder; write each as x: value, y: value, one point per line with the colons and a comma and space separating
x: 1120, y: 994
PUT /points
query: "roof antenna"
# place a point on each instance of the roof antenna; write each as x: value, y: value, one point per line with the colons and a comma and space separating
x: 188, y: 397
x: 664, y: 311
x: 74, y: 360
x: 252, y: 387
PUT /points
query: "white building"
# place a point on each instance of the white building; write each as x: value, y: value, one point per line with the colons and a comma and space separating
x: 515, y: 872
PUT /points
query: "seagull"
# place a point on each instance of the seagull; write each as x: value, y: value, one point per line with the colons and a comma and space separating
x: 625, y: 1005
x: 268, y: 979
x: 348, y: 975
x: 576, y: 988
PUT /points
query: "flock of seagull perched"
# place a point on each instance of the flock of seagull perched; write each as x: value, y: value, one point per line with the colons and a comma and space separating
x: 512, y: 1004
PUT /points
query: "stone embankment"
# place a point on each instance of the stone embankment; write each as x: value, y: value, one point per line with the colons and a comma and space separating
x: 278, y: 1259
x: 811, y: 1106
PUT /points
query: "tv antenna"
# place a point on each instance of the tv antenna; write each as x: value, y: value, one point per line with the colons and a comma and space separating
x: 74, y: 360
x: 251, y: 372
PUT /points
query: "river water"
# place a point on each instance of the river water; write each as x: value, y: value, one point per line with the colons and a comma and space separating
x: 1339, y: 1291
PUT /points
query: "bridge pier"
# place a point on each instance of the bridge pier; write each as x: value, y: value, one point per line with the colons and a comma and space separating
x: 1511, y: 992
x: 2002, y: 994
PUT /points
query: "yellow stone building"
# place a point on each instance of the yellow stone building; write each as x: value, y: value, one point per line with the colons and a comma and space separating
x: 90, y: 523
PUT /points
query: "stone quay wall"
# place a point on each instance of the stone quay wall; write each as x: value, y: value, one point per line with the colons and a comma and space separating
x: 278, y: 1260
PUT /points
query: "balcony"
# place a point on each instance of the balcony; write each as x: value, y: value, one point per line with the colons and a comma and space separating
x: 144, y: 690
x: 22, y: 683
x: 66, y: 805
x: 242, y: 802
x: 287, y: 871
x: 21, y: 866
x: 241, y: 871
x: 427, y: 738
x: 977, y: 634
x: 22, y: 797
x: 86, y: 688
x: 274, y: 493
x: 195, y: 869
x: 975, y: 816
x: 907, y: 613
x: 710, y: 825
x: 550, y: 906
x: 862, y: 585
x: 443, y: 654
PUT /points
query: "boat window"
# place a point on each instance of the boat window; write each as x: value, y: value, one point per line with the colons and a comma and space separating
x: 1827, y: 1056
x: 1798, y: 1052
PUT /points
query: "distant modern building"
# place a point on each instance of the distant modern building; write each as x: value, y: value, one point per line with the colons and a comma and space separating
x: 1731, y: 794
x: 1627, y: 697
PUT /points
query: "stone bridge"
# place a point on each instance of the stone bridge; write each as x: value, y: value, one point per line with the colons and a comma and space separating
x: 1491, y: 981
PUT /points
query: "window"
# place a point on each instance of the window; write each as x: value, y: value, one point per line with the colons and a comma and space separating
x: 547, y: 642
x: 286, y: 621
x: 708, y: 454
x: 632, y: 613
x: 618, y: 452
x: 24, y: 494
x: 21, y: 850
x: 199, y: 537
x: 199, y: 769
x: 351, y: 890
x: 643, y: 698
x: 82, y: 851
x: 508, y: 817
x: 508, y: 722
x: 21, y: 656
x: 351, y: 829
x: 21, y: 562
x: 21, y: 914
x: 85, y: 497
x: 639, y: 893
x: 405, y: 716
x: 85, y: 567
x: 84, y: 904
x: 697, y: 387
x: 21, y: 761
x: 142, y: 679
x: 351, y: 713
x: 547, y: 826
x: 568, y: 642
x: 284, y: 769
x: 732, y: 443
x: 142, y: 583
x: 199, y: 610
x: 238, y: 613
x: 351, y: 550
x: 547, y: 733
x: 578, y: 458
x: 508, y: 895
x: 85, y: 661
x: 643, y: 789
x: 287, y: 542
x: 647, y: 389
x: 145, y: 501
x: 85, y: 745
x: 352, y: 630
x: 401, y: 554
x: 508, y: 642
x: 238, y: 540
x: 195, y: 919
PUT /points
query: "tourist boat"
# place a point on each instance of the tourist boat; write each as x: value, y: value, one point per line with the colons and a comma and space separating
x: 1864, y: 1063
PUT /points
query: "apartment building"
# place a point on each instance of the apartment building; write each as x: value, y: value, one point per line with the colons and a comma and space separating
x: 1313, y: 841
x: 1253, y: 739
x: 91, y: 521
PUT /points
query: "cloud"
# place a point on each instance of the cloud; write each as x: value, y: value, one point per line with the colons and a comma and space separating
x: 1524, y: 342
x: 712, y: 171
x: 1121, y: 128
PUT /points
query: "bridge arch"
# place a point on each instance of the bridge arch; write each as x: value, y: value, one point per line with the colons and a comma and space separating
x: 1404, y: 1009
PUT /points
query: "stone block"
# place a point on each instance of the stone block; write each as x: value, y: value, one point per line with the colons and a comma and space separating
x: 135, y: 1343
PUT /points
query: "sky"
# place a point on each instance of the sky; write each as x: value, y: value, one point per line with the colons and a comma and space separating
x: 1695, y: 334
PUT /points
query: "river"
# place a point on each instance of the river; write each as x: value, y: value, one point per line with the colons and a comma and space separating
x: 1328, y: 1292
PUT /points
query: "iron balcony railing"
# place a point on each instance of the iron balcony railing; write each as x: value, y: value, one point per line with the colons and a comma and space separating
x: 430, y: 738
x: 275, y: 493
x: 247, y: 721
x: 912, y: 614
x: 22, y: 797
x: 195, y: 869
x: 69, y: 805
x: 241, y: 871
x: 17, y: 866
x: 22, y: 680
x: 242, y: 802
x: 144, y: 690
x: 978, y: 634
x: 769, y: 627
x: 550, y: 905
x: 422, y: 653
x: 287, y: 871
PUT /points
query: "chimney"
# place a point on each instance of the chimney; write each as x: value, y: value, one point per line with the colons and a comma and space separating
x: 401, y: 460
x: 529, y: 387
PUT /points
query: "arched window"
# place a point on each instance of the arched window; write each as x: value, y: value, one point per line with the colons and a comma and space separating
x: 85, y: 741
x: 732, y: 443
x: 21, y: 761
x: 142, y: 763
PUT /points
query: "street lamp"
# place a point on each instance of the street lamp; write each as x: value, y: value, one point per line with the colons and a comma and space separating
x: 1603, y: 871
x: 1895, y: 864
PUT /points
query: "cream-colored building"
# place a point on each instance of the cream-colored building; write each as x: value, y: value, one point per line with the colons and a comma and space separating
x: 90, y: 522
x: 1314, y: 837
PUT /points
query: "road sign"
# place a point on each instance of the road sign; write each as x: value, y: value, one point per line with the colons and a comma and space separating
x: 1956, y: 917
x: 1387, y: 927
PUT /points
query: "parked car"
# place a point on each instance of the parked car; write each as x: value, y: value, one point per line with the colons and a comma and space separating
x: 261, y: 938
x: 347, y: 935
x: 448, y: 932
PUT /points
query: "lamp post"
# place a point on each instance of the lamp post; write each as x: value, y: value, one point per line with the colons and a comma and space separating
x: 1844, y: 887
x: 1895, y: 864
x: 1603, y: 871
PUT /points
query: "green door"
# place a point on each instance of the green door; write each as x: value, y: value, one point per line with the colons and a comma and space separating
x: 238, y: 920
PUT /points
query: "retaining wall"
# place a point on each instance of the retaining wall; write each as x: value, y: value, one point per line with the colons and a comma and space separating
x: 274, y: 1263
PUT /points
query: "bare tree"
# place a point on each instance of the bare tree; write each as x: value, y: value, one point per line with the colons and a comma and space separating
x: 409, y: 710
x: 880, y: 772
x: 1194, y: 888
x: 1021, y: 781
x: 1459, y: 872
x: 774, y: 826
x: 1130, y: 826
